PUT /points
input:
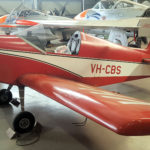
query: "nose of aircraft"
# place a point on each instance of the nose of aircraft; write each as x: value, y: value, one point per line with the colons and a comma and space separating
x: 3, y: 19
x: 81, y: 16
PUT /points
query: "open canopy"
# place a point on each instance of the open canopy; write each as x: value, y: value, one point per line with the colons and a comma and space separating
x: 22, y: 12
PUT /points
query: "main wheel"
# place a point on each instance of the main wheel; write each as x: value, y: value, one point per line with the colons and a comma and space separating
x: 24, y: 122
x: 5, y: 96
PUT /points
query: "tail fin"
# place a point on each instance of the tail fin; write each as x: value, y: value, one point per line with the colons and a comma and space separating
x: 148, y: 48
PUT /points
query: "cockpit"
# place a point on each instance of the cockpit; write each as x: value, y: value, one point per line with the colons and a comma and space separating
x: 21, y: 12
x: 104, y: 4
x: 42, y: 38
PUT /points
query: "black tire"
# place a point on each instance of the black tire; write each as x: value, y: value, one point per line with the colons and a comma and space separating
x: 5, y: 96
x: 24, y: 122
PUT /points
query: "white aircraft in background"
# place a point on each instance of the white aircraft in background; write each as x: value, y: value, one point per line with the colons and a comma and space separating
x: 110, y: 10
x: 21, y: 18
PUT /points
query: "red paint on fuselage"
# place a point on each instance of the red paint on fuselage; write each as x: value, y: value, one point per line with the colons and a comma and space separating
x: 12, y: 67
x: 26, y: 22
x: 3, y: 19
x: 16, y: 67
x: 93, y: 47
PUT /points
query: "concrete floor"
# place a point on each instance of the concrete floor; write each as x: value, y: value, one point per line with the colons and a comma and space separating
x: 59, y: 133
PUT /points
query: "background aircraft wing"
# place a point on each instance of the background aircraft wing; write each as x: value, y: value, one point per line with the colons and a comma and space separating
x: 139, y: 24
x: 128, y: 24
x: 123, y: 115
x: 123, y: 23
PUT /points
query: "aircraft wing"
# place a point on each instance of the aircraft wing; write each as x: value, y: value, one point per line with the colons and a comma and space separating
x: 127, y: 24
x: 139, y: 24
x: 91, y: 24
x: 121, y: 114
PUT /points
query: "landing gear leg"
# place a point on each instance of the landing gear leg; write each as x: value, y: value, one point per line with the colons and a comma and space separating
x: 5, y: 95
x: 24, y: 121
x: 21, y: 95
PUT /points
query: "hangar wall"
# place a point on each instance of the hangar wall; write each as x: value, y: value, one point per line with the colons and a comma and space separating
x: 69, y: 7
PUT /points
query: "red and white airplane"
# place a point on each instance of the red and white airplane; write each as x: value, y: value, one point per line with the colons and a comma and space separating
x: 71, y: 75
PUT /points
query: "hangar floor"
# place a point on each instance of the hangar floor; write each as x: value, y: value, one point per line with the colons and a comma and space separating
x: 58, y: 132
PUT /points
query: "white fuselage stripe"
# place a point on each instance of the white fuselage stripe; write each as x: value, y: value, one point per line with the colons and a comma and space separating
x: 87, y: 67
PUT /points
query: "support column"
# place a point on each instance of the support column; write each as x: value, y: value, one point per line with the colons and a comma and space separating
x: 35, y: 4
x: 21, y: 95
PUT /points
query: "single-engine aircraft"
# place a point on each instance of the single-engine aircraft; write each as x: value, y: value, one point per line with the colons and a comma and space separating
x: 22, y: 17
x: 71, y: 74
x: 113, y: 10
x: 116, y: 10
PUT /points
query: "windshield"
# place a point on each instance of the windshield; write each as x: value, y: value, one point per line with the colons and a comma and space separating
x: 42, y: 39
x: 104, y: 4
x: 123, y: 5
x: 21, y: 12
x: 38, y: 36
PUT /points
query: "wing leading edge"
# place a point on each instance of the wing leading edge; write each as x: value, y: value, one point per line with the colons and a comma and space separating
x: 123, y: 115
x: 132, y: 24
